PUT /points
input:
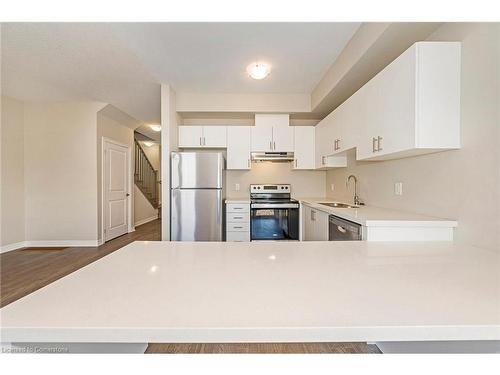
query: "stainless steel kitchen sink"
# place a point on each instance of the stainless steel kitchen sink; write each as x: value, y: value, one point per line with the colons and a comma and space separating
x: 339, y: 205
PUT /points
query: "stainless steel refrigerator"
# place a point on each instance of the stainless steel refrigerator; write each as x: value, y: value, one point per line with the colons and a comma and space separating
x: 197, y: 196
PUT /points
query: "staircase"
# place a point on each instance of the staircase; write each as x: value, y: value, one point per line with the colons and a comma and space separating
x: 146, y: 177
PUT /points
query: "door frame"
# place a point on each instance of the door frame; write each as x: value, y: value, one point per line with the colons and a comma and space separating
x: 130, y: 201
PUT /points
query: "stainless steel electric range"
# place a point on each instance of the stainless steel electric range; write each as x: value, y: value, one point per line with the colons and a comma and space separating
x: 274, y: 215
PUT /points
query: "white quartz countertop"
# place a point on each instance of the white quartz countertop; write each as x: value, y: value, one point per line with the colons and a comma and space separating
x: 377, y: 216
x: 238, y: 200
x: 267, y: 291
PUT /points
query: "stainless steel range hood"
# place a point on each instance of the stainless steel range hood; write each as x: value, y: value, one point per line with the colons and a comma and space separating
x: 277, y: 157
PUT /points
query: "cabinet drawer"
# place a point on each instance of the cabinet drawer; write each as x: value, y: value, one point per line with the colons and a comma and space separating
x: 238, y: 227
x: 236, y: 217
x: 237, y: 207
x: 237, y: 236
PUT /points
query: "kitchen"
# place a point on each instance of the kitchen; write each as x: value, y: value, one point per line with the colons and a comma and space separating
x: 362, y: 221
x: 433, y: 127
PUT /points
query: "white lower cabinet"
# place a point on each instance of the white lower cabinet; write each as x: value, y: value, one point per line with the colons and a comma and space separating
x: 314, y: 224
x: 237, y: 222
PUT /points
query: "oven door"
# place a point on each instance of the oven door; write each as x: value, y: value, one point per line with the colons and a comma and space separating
x: 272, y: 222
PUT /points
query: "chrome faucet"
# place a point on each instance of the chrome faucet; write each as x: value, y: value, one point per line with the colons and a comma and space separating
x: 357, y: 202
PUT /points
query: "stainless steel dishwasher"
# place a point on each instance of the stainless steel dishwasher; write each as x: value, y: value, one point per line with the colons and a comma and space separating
x: 343, y: 230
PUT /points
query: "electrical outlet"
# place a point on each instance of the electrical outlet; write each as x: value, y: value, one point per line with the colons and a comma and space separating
x: 332, y: 187
x: 237, y: 187
x: 398, y: 188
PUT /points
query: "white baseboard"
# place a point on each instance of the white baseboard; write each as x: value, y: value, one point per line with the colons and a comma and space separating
x: 147, y: 220
x: 51, y: 243
x: 12, y: 246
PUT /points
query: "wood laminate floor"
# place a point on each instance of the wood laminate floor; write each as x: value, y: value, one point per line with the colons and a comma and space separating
x: 26, y: 270
x: 267, y: 348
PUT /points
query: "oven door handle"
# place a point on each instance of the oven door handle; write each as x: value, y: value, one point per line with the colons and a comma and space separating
x: 274, y: 205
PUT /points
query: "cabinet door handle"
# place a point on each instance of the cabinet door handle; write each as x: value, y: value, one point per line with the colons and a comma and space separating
x: 200, y: 142
x: 313, y: 215
x: 322, y: 160
x: 248, y: 163
x: 295, y: 163
x: 379, y: 143
x: 274, y: 145
x: 270, y: 145
x: 374, y: 142
x: 338, y: 144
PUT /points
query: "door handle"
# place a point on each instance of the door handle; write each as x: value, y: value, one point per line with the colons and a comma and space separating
x: 341, y: 229
x: 127, y: 195
x: 379, y: 142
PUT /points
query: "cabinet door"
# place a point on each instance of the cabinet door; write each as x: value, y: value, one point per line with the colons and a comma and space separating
x: 262, y: 138
x: 282, y: 138
x: 190, y: 136
x: 306, y: 223
x: 320, y: 226
x: 238, y: 147
x: 303, y: 147
x: 214, y: 136
x: 389, y: 99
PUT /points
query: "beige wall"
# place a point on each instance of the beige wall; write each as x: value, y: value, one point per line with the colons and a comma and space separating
x: 116, y: 130
x: 12, y: 193
x: 143, y: 210
x: 304, y: 183
x: 60, y: 171
x: 462, y: 184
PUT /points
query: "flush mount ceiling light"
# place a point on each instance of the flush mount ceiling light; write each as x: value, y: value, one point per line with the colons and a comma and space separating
x: 147, y: 143
x: 156, y: 128
x: 258, y: 70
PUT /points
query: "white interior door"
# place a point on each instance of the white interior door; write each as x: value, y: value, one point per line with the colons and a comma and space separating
x: 116, y: 195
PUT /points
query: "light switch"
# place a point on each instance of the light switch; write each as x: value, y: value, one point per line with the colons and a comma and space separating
x: 398, y: 188
x: 237, y: 187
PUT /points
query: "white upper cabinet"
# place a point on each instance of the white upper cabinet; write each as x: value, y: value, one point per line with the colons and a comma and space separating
x: 303, y: 147
x: 238, y: 147
x: 413, y: 105
x: 202, y: 136
x: 272, y: 133
x: 190, y: 136
x: 325, y: 135
x: 214, y: 136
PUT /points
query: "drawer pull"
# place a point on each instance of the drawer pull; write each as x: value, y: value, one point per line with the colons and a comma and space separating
x: 237, y: 227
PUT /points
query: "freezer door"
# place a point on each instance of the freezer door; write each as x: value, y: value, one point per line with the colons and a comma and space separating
x: 196, y: 215
x: 197, y: 170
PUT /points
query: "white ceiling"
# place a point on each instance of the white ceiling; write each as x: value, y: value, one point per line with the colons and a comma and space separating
x: 124, y: 63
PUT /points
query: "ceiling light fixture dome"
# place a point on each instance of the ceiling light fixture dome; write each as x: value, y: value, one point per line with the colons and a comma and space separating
x: 156, y: 128
x: 258, y: 70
